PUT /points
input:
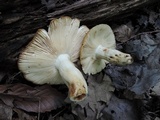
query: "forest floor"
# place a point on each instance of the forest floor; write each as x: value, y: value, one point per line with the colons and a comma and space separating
x: 129, y: 92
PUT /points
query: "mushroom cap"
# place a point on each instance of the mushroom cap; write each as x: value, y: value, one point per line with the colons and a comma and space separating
x: 37, y: 61
x: 99, y: 35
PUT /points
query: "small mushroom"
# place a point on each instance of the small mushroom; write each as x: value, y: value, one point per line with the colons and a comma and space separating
x: 50, y: 56
x: 99, y: 48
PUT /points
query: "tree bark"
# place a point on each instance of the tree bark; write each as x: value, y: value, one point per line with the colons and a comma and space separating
x: 20, y: 19
x: 93, y: 11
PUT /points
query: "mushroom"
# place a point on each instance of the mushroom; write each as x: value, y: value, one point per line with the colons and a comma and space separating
x: 99, y: 48
x: 50, y: 56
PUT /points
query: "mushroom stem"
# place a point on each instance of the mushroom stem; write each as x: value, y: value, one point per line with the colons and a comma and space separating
x: 113, y: 56
x: 72, y: 77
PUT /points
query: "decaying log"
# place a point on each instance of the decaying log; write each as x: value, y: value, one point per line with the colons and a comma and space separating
x: 19, y: 19
x: 93, y: 11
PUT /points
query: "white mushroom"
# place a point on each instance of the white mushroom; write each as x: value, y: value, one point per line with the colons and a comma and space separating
x: 99, y: 48
x: 49, y: 57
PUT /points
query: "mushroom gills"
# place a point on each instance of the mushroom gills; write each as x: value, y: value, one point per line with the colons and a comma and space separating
x: 50, y: 56
x: 99, y: 49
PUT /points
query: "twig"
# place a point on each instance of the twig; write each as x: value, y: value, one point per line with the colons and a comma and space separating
x: 58, y: 113
x: 149, y: 32
x: 39, y: 107
x: 15, y: 75
x: 11, y: 78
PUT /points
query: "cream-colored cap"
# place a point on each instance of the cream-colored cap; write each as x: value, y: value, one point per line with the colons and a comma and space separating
x: 99, y: 35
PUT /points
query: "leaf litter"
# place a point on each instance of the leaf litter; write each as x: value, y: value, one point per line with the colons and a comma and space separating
x: 100, y: 91
x: 119, y: 109
x: 142, y: 78
x: 5, y: 112
x: 123, y: 33
x: 38, y: 99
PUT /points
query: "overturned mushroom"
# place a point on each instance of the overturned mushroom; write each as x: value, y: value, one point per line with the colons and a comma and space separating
x: 49, y: 56
x: 99, y: 48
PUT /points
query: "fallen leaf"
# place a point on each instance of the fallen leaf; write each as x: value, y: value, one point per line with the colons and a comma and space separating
x: 153, y: 59
x: 38, y: 99
x: 100, y: 92
x: 5, y: 112
x: 120, y: 109
x: 141, y: 48
x: 135, y: 77
x: 148, y: 39
x: 147, y: 79
x: 102, y: 87
x: 122, y: 33
x: 88, y: 113
x: 123, y: 77
x: 24, y: 116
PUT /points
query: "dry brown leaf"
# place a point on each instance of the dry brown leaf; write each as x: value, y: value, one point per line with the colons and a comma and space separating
x: 123, y: 33
x: 24, y: 116
x: 38, y: 99
x: 5, y: 112
x: 100, y: 91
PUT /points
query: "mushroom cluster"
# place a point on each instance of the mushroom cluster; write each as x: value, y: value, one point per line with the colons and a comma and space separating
x: 50, y: 56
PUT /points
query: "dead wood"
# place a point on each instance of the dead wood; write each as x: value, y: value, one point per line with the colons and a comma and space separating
x: 20, y: 19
